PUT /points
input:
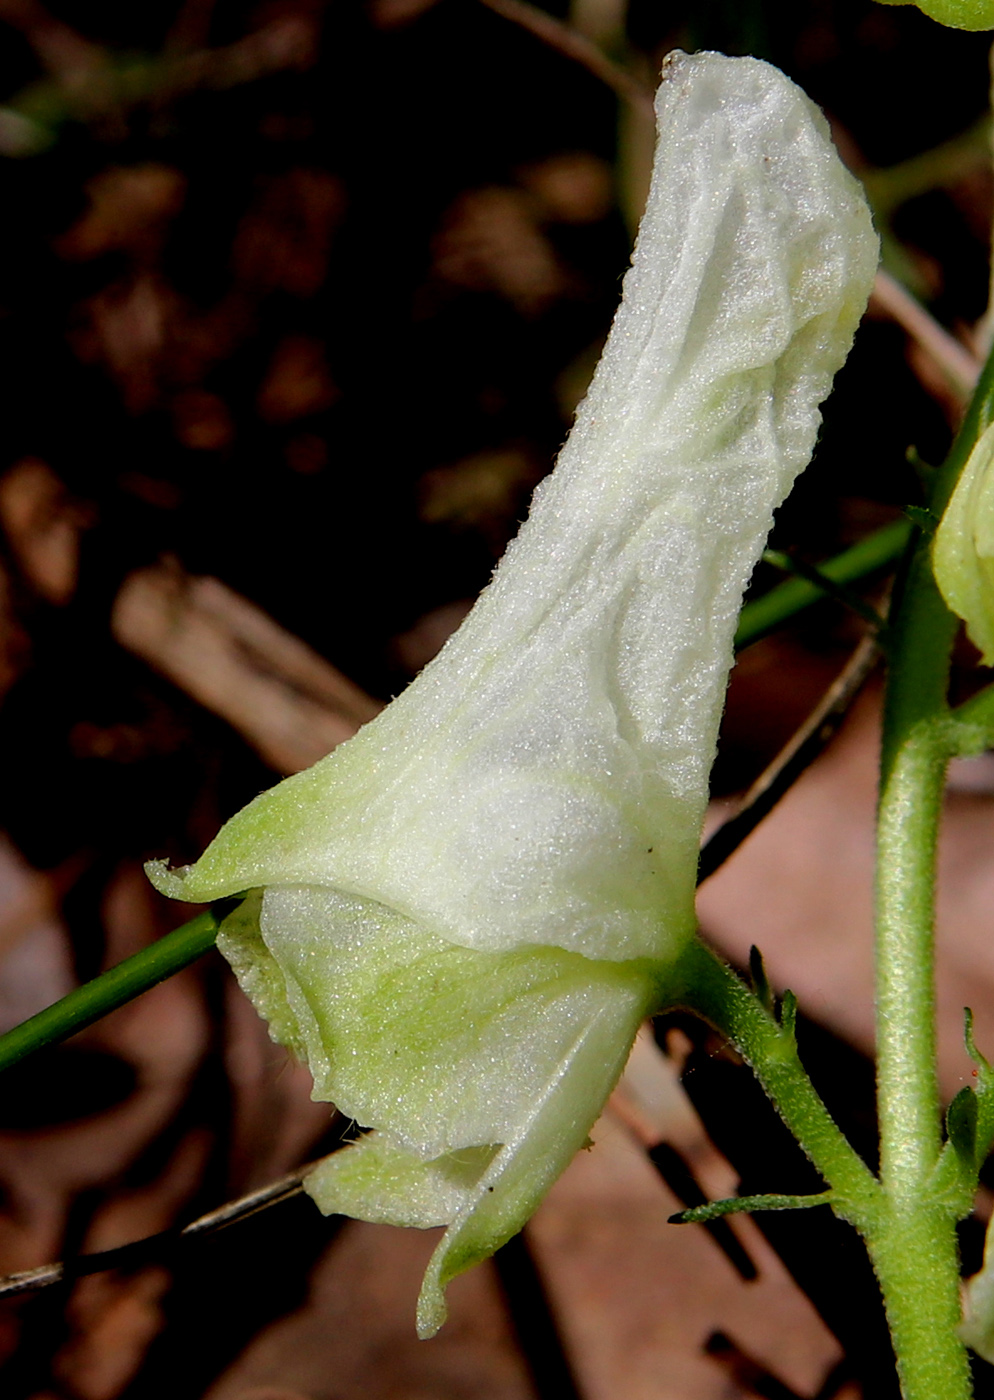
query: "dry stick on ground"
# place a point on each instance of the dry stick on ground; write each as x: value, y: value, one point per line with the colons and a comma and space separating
x: 574, y: 45
x: 957, y: 365
x: 290, y: 704
x: 150, y: 1249
x: 798, y: 754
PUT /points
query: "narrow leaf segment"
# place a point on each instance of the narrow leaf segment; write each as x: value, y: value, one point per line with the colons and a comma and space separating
x: 735, y: 1205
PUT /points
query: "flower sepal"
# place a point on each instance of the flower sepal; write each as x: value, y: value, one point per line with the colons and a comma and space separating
x: 481, y: 1073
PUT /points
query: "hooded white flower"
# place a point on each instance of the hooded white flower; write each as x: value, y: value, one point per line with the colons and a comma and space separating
x: 461, y: 916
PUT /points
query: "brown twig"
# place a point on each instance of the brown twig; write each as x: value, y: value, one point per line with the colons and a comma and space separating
x: 150, y: 1249
x: 797, y: 755
x: 290, y: 704
x: 576, y: 46
x: 957, y: 365
x: 88, y: 83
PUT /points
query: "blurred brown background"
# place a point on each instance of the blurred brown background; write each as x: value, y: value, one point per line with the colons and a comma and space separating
x: 296, y: 302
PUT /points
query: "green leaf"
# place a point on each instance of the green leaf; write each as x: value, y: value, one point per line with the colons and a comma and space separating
x: 984, y: 1092
x: 788, y: 1013
x: 981, y: 1061
x: 957, y: 14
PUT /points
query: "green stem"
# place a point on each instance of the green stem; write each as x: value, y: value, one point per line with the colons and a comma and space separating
x: 913, y: 765
x: 708, y: 986
x: 942, y: 167
x: 910, y: 1230
x: 110, y: 990
x: 916, y: 1260
x: 875, y: 552
x: 913, y: 1245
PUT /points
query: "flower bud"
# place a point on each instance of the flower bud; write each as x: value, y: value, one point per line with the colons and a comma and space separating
x: 963, y: 549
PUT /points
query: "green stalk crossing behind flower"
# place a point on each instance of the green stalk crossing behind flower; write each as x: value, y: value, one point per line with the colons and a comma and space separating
x: 103, y: 994
x: 876, y: 552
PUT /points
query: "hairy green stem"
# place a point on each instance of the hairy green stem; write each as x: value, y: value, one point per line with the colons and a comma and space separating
x: 913, y: 1244
x: 916, y: 1259
x: 735, y: 1205
x: 909, y: 1226
x: 913, y: 764
x: 708, y: 986
x: 974, y: 723
x: 88, y: 1003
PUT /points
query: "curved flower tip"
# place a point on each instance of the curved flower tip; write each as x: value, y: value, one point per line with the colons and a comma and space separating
x: 461, y: 916
x: 963, y: 550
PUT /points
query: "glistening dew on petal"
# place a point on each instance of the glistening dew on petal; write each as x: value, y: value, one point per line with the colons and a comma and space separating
x: 466, y: 910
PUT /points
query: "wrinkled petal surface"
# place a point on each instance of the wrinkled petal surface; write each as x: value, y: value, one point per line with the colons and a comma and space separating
x: 544, y: 780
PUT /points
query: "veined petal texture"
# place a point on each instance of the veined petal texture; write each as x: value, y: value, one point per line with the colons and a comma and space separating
x: 543, y: 781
